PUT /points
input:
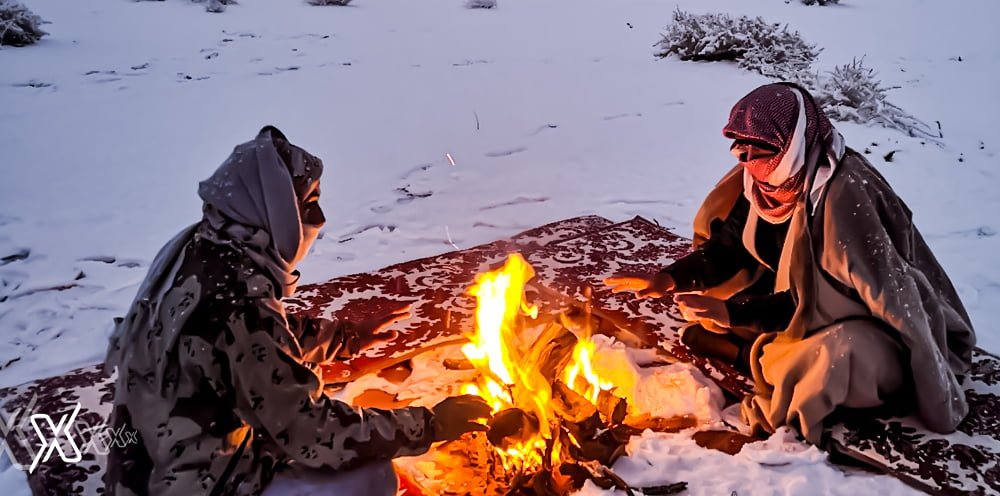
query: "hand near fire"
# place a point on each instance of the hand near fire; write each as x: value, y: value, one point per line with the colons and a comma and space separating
x: 459, y: 414
x: 657, y: 286
x: 711, y: 312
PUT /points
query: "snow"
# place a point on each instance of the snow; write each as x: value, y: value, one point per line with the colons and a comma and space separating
x: 444, y: 126
x: 778, y: 466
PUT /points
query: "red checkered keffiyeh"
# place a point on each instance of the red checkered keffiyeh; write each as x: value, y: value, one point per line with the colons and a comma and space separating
x: 771, y: 114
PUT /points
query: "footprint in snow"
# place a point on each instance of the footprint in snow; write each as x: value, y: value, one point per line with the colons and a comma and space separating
x: 309, y: 35
x: 343, y: 257
x: 11, y: 281
x: 34, y: 83
x: 381, y: 227
x: 977, y: 232
x: 278, y: 69
x: 470, y: 62
x: 512, y: 227
x: 129, y: 263
x: 543, y: 128
x: 181, y: 77
x: 414, y: 170
x: 18, y: 255
x: 232, y: 34
x: 642, y: 202
x: 521, y: 200
x: 619, y: 116
x: 504, y: 153
x: 406, y: 196
x: 108, y: 259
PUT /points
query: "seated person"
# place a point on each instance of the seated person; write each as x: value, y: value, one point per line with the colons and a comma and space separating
x: 222, y: 386
x: 808, y: 272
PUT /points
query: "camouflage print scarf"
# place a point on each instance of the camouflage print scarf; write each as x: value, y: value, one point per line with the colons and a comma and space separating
x: 250, y: 203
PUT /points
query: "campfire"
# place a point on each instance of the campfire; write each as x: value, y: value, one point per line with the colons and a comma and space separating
x: 557, y: 421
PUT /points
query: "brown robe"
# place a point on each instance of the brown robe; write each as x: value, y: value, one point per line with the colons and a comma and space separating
x: 874, y: 309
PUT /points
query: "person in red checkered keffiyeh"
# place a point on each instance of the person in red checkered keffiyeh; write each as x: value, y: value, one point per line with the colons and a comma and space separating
x: 809, y: 274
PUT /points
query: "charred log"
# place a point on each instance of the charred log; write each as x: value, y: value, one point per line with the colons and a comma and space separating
x: 509, y: 426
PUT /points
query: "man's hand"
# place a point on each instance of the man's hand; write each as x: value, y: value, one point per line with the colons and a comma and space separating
x: 703, y: 308
x: 656, y: 286
x: 372, y: 332
x: 459, y: 414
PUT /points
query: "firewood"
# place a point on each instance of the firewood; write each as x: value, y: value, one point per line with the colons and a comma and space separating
x: 518, y: 484
x: 603, y: 322
x: 573, y: 475
x: 570, y: 405
x: 605, y: 478
x: 605, y: 449
x: 458, y: 364
x: 659, y: 424
x: 728, y: 442
x: 541, y: 484
x: 550, y: 352
x: 509, y: 426
x: 612, y: 408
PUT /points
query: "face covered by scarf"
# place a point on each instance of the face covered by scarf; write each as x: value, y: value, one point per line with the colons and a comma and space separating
x: 263, y: 201
x: 777, y: 128
x: 265, y: 195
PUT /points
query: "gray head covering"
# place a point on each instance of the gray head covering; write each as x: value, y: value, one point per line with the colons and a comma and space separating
x: 251, y: 200
x: 250, y: 204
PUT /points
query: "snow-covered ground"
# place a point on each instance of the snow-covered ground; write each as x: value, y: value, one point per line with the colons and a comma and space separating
x: 548, y: 108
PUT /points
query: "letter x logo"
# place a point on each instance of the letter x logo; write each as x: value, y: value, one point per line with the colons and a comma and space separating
x: 62, y: 429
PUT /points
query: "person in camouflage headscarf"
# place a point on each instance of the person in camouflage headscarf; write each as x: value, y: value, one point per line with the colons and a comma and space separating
x: 808, y: 273
x: 222, y: 386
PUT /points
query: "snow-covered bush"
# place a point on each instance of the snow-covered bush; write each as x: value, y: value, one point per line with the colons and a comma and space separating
x: 216, y: 6
x: 850, y: 92
x: 480, y: 4
x: 756, y: 45
x: 821, y: 2
x: 18, y: 25
x: 329, y: 2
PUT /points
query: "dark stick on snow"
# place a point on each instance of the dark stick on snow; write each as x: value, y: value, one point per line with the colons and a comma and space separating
x: 477, y: 119
x: 674, y: 488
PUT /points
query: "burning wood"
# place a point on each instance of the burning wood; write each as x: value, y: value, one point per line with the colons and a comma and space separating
x: 556, y: 422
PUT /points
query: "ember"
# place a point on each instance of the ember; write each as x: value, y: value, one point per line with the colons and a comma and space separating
x: 557, y: 422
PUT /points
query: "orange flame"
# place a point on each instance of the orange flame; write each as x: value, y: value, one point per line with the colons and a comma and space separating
x: 580, y: 367
x: 495, y: 350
